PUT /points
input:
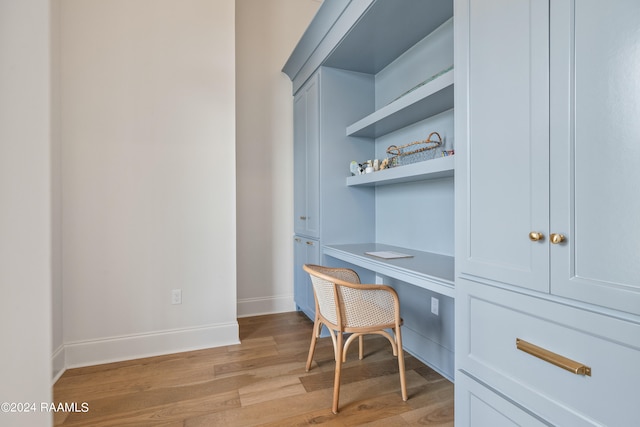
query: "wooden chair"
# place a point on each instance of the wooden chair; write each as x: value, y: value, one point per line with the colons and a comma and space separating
x: 344, y: 305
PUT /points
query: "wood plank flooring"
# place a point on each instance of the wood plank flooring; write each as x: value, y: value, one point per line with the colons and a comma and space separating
x: 260, y: 382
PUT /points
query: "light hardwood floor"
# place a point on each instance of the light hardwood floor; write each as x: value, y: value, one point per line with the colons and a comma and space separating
x: 261, y: 381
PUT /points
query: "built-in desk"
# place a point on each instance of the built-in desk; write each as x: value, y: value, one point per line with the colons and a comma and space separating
x: 427, y: 270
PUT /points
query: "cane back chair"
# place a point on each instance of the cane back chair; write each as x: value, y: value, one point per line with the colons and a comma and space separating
x: 344, y: 305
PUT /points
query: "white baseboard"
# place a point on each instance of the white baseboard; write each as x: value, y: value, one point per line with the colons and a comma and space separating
x: 115, y: 349
x: 268, y: 305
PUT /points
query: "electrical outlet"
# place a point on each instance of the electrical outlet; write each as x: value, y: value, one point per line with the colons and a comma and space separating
x: 435, y: 305
x: 176, y: 296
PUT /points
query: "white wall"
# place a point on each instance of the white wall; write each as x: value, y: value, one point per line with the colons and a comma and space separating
x: 25, y: 229
x: 57, y: 342
x: 266, y: 33
x: 147, y: 177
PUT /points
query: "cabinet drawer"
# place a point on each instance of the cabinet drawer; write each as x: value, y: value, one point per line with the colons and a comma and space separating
x: 478, y: 406
x: 610, y: 347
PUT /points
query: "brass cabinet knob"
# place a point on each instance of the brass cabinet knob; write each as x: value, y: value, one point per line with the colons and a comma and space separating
x: 303, y: 218
x: 534, y: 236
x: 556, y: 239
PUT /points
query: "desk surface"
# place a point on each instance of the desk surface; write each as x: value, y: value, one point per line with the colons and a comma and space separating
x: 424, y: 269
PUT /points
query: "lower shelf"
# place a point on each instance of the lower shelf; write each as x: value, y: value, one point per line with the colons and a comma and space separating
x: 440, y: 167
x: 424, y: 269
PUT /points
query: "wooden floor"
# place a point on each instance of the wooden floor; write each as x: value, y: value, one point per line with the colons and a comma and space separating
x: 261, y: 381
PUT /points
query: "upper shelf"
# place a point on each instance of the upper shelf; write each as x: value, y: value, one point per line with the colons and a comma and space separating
x: 440, y: 167
x: 363, y: 36
x: 428, y: 100
x: 385, y: 31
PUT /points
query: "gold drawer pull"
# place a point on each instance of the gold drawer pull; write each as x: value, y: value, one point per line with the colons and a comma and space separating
x: 553, y: 358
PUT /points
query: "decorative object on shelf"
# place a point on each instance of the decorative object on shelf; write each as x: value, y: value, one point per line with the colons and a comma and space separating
x: 354, y: 167
x: 369, y: 166
x: 360, y: 168
x: 416, y: 151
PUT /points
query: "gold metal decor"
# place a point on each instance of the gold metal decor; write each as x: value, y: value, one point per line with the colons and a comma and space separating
x: 416, y: 151
x: 534, y: 236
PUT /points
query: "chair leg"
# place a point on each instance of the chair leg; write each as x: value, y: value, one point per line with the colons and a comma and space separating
x: 336, y: 381
x: 314, y: 338
x: 361, y: 345
x: 403, y: 380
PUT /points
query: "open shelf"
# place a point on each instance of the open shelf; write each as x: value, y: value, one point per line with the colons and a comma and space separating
x: 427, y: 270
x: 440, y: 167
x: 428, y: 100
x: 384, y: 32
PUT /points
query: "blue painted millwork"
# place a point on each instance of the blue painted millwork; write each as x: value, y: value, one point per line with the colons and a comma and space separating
x: 384, y: 74
x: 546, y: 212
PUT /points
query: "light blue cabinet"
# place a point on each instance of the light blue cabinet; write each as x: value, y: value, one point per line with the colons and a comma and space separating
x: 506, y: 127
x: 324, y: 209
x: 477, y: 406
x: 546, y: 180
x: 595, y: 152
x: 305, y: 251
x: 306, y: 154
x: 562, y: 166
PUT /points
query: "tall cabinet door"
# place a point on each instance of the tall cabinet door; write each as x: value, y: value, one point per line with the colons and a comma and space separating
x: 306, y: 156
x: 502, y: 87
x: 595, y: 152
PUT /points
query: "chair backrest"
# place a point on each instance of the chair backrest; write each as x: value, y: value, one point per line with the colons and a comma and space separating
x: 342, y: 301
x: 323, y: 280
x: 343, y: 274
